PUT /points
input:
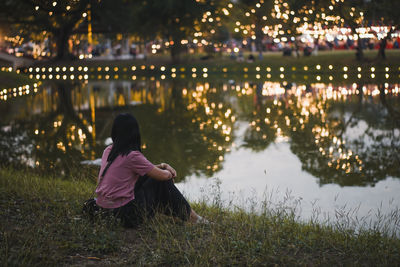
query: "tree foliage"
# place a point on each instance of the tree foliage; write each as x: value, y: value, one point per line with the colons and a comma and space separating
x: 384, y: 12
x: 171, y: 20
x: 203, y: 23
x: 256, y: 15
x: 59, y: 19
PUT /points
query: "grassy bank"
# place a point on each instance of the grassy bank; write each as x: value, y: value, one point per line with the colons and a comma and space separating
x: 41, y: 224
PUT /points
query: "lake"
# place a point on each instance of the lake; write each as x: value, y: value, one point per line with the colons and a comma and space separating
x: 326, y: 151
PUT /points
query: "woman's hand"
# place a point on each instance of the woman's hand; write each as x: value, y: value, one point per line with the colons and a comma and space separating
x: 167, y: 167
x: 171, y: 170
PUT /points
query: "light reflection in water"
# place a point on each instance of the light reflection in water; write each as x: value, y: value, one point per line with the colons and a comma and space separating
x: 320, y: 141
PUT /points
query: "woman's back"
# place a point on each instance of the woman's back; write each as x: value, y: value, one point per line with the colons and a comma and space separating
x: 116, y: 187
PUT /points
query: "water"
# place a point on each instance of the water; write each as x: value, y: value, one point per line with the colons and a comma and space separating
x: 331, y: 150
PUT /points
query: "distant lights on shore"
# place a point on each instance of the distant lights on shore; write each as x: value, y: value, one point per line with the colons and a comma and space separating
x: 257, y: 71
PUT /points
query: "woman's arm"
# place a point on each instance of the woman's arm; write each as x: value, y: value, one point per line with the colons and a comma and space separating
x: 160, y: 174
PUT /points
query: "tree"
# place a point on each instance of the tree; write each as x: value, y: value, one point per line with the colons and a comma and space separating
x: 58, y: 19
x: 291, y: 15
x: 384, y: 13
x: 352, y: 142
x: 254, y: 19
x: 61, y: 149
x: 349, y: 13
x: 62, y: 18
x: 171, y: 20
x: 213, y: 29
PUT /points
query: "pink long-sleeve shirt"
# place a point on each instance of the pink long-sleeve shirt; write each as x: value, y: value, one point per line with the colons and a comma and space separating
x: 117, y: 186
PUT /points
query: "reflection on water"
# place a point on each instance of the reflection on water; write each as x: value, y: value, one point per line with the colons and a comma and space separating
x: 343, y: 135
x: 191, y: 128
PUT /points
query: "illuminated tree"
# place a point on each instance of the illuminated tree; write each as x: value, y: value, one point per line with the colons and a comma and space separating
x: 340, y: 141
x: 59, y: 19
x: 54, y: 142
x: 257, y: 110
x: 349, y: 13
x: 256, y: 16
x: 190, y: 128
x: 213, y: 29
x: 173, y: 21
x: 384, y: 13
x: 296, y: 16
x: 181, y: 140
x: 291, y: 15
x: 349, y: 140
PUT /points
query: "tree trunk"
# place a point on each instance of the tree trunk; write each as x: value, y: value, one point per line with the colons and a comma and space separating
x: 220, y: 54
x: 382, y: 95
x: 259, y: 48
x: 360, y: 52
x: 361, y: 94
x: 176, y: 50
x: 296, y: 47
x: 382, y: 46
x: 65, y: 105
x: 259, y: 37
x: 62, y: 37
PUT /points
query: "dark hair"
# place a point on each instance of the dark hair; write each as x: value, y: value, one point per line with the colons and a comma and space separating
x: 125, y: 135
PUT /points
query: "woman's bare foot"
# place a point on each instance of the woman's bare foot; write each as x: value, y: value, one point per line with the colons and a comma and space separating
x: 195, y: 218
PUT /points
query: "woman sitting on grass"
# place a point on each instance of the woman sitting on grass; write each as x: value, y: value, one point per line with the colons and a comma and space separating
x: 131, y: 186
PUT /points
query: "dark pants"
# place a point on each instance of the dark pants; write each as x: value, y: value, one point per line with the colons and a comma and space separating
x: 153, y: 196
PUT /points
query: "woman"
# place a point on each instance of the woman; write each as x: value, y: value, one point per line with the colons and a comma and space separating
x: 131, y: 186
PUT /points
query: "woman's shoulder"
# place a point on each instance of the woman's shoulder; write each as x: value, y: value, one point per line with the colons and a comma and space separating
x: 135, y: 153
x: 137, y: 156
x: 140, y: 162
x: 107, y: 149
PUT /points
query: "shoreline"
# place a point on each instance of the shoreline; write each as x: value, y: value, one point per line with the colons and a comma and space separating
x: 327, y: 67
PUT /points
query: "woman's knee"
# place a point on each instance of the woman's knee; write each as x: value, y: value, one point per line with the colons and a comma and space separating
x: 163, y: 184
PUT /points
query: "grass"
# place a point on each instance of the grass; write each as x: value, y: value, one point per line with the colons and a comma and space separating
x: 13, y: 79
x: 4, y: 63
x: 41, y: 224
